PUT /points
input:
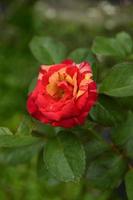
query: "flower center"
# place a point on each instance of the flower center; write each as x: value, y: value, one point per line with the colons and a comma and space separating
x: 59, y: 83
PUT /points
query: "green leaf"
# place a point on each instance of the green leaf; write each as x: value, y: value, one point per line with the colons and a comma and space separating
x: 108, y: 47
x: 126, y: 102
x: 106, y: 112
x: 123, y: 135
x: 124, y: 132
x: 83, y: 54
x: 119, y: 82
x: 14, y: 156
x: 125, y: 41
x: 45, y: 129
x: 120, y: 46
x: 47, y: 51
x: 25, y: 127
x: 16, y: 141
x: 62, y: 159
x: 5, y: 131
x: 108, y: 169
x: 42, y: 171
x: 95, y: 148
x: 129, y: 184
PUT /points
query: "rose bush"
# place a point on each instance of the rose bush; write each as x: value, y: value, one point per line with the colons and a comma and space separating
x: 64, y: 94
x: 100, y: 153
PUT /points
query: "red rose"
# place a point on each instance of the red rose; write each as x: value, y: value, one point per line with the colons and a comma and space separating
x: 64, y: 94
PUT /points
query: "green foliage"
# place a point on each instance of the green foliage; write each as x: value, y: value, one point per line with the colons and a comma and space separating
x: 42, y: 171
x: 119, y: 82
x: 129, y: 184
x: 19, y: 155
x: 61, y: 157
x: 19, y: 148
x: 123, y: 135
x: 94, y: 148
x: 125, y: 41
x: 107, y: 169
x: 45, y: 130
x: 25, y: 127
x: 106, y: 112
x: 107, y: 47
x: 82, y: 54
x: 16, y: 141
x: 120, y: 46
x: 47, y: 50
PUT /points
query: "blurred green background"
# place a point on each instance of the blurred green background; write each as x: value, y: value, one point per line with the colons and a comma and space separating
x: 75, y: 23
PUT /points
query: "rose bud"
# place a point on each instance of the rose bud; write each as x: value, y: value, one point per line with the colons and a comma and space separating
x: 64, y: 94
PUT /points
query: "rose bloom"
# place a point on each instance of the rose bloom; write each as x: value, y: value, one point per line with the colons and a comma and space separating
x: 64, y: 94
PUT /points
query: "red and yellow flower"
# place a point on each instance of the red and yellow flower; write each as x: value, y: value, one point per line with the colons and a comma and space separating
x: 64, y: 94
